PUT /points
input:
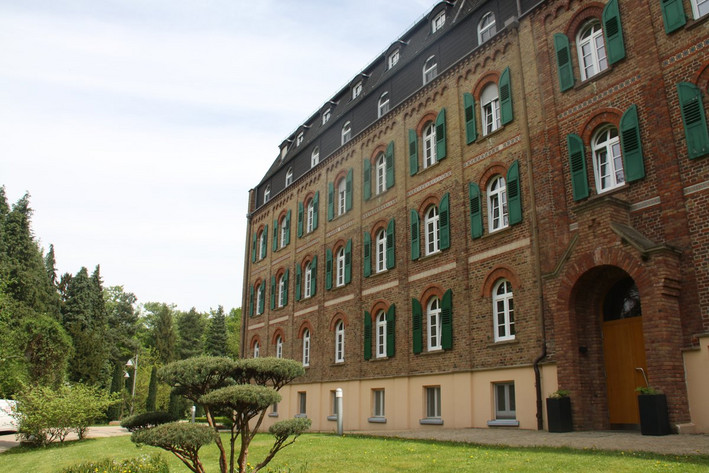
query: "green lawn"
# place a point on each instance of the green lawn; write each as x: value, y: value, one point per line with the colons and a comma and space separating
x: 319, y: 453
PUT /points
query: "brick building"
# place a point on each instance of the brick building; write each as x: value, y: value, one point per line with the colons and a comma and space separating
x: 511, y: 199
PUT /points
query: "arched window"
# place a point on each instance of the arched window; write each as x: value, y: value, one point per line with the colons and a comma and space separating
x: 260, y: 299
x: 282, y: 290
x: 430, y: 70
x: 381, y: 250
x: 315, y: 157
x: 486, y: 27
x: 381, y: 173
x: 289, y: 177
x: 434, y: 323
x: 340, y: 342
x: 262, y: 242
x: 342, y: 196
x: 308, y: 289
x: 607, y: 159
x: 497, y: 204
x: 503, y: 311
x: 340, y: 264
x: 346, y: 132
x: 429, y: 145
x: 591, y: 50
x: 432, y: 229
x: 381, y: 334
x: 490, y: 107
x: 284, y: 225
x: 306, y: 347
x: 310, y: 215
x: 257, y: 349
x: 279, y: 347
x: 266, y: 194
x: 383, y: 106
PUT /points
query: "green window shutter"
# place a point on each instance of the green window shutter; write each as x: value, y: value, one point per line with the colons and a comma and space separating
x: 348, y: 261
x: 505, y: 89
x: 415, y: 247
x: 630, y: 145
x: 367, y: 175
x: 348, y: 191
x: 316, y: 205
x: 514, y: 194
x: 314, y: 276
x: 330, y: 201
x: 298, y: 279
x: 288, y: 227
x: 444, y: 222
x: 300, y: 219
x: 695, y: 122
x: 447, y: 320
x: 253, y: 247
x: 274, y: 243
x: 613, y: 32
x: 264, y: 248
x: 577, y: 165
x: 476, y: 211
x: 391, y: 331
x: 673, y: 15
x: 367, y: 254
x: 251, y: 301
x: 417, y: 326
x: 328, y: 269
x: 389, y: 157
x: 286, y: 279
x: 565, y: 67
x: 391, y: 243
x: 367, y: 335
x: 413, y: 152
x: 441, y: 135
x: 471, y: 132
x: 273, y: 292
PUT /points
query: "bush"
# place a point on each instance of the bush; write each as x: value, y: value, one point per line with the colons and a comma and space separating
x: 146, y: 420
x: 143, y: 464
x: 182, y: 439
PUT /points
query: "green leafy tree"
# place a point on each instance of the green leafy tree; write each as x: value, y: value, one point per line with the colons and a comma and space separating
x: 47, y: 349
x: 162, y: 335
x: 190, y: 327
x: 150, y: 402
x: 233, y: 328
x: 216, y: 339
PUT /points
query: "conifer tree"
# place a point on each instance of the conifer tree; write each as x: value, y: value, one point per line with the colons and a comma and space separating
x: 162, y: 336
x: 190, y: 327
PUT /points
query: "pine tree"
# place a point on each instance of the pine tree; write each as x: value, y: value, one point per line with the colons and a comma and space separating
x: 122, y: 323
x: 162, y: 336
x: 190, y: 327
x: 216, y: 341
x: 151, y: 401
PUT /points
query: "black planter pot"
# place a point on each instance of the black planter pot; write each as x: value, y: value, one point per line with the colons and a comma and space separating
x: 559, y: 414
x: 653, y: 414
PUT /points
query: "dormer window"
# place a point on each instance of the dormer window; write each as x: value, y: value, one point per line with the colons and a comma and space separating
x: 299, y: 139
x: 393, y: 59
x: 284, y: 151
x: 356, y: 90
x: 266, y: 194
x: 438, y: 21
x: 326, y: 116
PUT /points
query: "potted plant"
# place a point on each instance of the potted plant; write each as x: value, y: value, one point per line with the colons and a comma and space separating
x: 653, y: 411
x: 559, y: 411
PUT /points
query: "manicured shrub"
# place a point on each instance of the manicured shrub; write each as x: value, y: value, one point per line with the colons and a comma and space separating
x: 146, y: 420
x: 182, y: 439
x: 142, y: 464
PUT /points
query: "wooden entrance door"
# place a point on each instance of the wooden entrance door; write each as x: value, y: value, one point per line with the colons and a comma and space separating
x: 624, y: 350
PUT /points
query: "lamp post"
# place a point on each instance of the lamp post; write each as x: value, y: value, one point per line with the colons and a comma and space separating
x: 133, y: 363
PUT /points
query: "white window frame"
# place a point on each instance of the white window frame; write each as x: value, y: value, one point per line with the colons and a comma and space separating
x: 326, y: 116
x: 342, y: 196
x: 289, y: 177
x: 429, y: 145
x: 266, y: 194
x: 381, y: 334
x: 433, y: 402
x: 260, y: 299
x: 346, y: 132
x: 430, y: 69
x: 503, y: 311
x: 381, y: 174
x: 380, y: 247
x: 700, y: 8
x: 340, y: 342
x: 279, y: 348
x: 438, y: 21
x: 282, y: 290
x: 262, y: 241
x: 308, y: 281
x: 591, y: 50
x: 257, y: 349
x: 490, y: 108
x: 340, y: 265
x: 497, y: 204
x: 434, y: 324
x: 299, y: 139
x: 505, y: 402
x: 393, y: 58
x: 378, y: 403
x: 306, y: 347
x: 383, y: 105
x: 310, y: 218
x: 315, y: 157
x: 486, y: 27
x: 607, y: 160
x: 284, y: 232
x: 356, y: 90
x: 432, y: 230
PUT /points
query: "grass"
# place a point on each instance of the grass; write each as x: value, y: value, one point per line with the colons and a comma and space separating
x: 320, y: 453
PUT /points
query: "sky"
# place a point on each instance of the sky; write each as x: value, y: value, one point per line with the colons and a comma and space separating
x: 139, y: 126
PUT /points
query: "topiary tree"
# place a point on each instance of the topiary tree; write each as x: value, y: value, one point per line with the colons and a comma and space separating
x: 246, y: 388
x: 182, y: 439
